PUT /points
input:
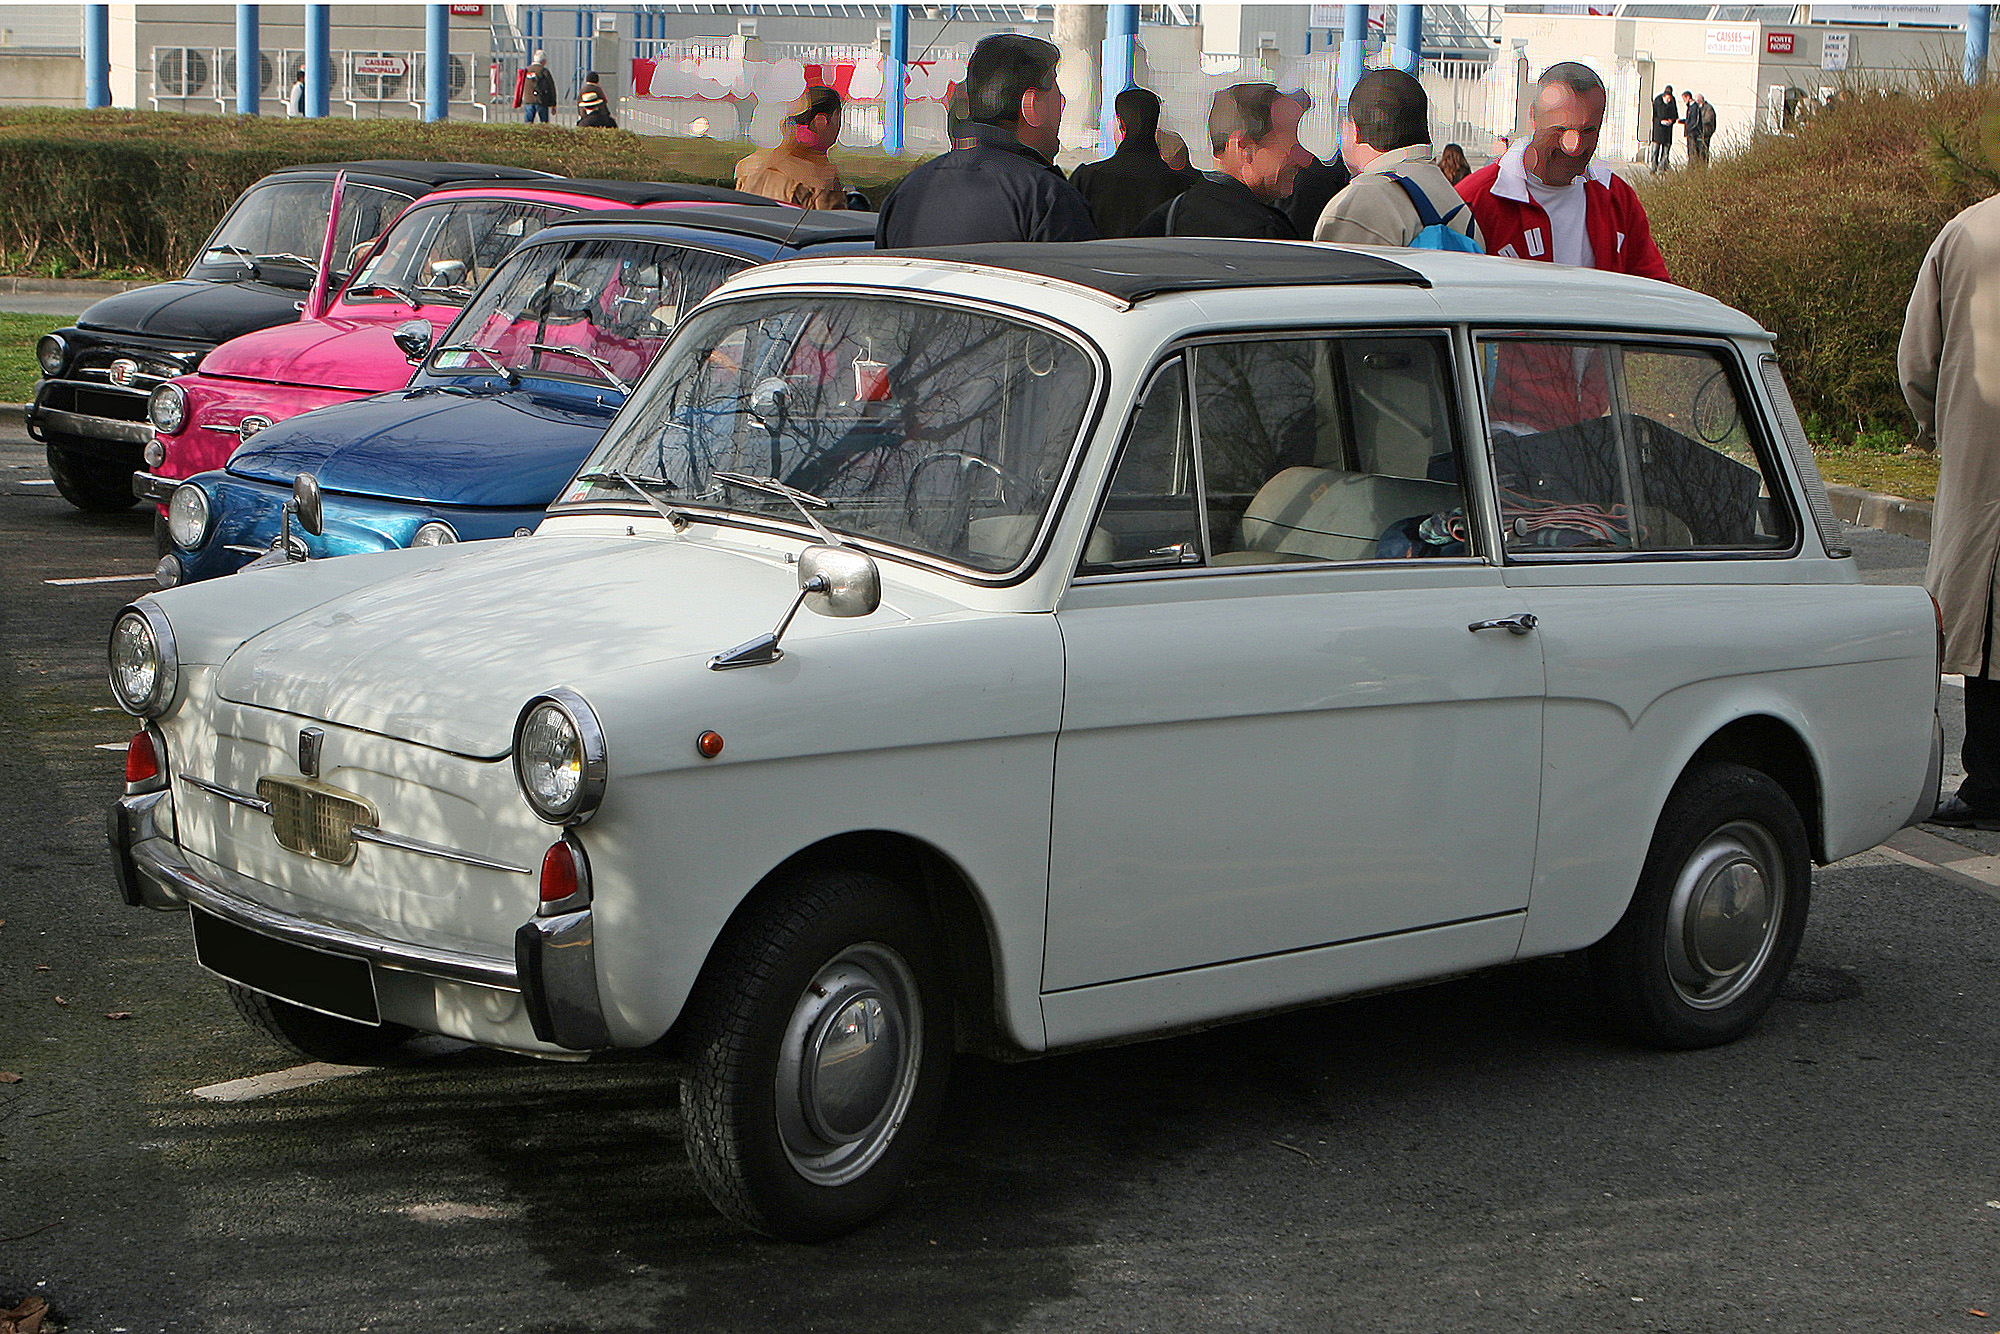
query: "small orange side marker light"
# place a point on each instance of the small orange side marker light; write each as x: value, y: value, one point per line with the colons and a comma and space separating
x: 708, y: 745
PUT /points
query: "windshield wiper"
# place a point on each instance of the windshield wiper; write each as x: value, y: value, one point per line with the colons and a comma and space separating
x: 636, y: 486
x: 290, y: 258
x: 771, y: 486
x: 241, y: 252
x: 602, y: 366
x: 376, y: 285
x: 490, y: 355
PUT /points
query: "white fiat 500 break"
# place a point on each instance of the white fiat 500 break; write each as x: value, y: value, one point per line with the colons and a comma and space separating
x: 1190, y: 629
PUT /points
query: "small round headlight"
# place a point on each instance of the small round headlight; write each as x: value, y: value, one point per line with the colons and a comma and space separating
x: 168, y: 408
x: 559, y: 757
x: 187, y: 516
x: 142, y: 660
x: 436, y: 533
x: 51, y: 352
x: 155, y: 453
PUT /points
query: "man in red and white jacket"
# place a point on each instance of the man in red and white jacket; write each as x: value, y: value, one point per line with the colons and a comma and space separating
x: 1547, y: 199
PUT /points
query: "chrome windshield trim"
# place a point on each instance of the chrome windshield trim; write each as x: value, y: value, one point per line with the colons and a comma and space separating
x: 258, y: 804
x: 370, y: 834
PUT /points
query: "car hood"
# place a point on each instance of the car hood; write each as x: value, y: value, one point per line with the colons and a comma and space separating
x: 325, y: 354
x: 196, y: 309
x: 446, y: 654
x: 508, y: 450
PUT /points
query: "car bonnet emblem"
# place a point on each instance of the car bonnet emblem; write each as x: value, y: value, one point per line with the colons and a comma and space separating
x: 124, y: 371
x: 311, y: 741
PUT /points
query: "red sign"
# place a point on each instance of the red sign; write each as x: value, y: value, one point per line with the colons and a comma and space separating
x: 469, y: 11
x: 392, y: 67
x: 1778, y: 43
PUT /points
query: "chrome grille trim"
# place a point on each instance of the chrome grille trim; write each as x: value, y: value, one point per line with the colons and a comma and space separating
x: 315, y: 819
x: 257, y: 804
x: 368, y: 831
x: 369, y: 834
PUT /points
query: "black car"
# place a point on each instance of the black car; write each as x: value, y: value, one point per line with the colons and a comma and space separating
x: 253, y: 272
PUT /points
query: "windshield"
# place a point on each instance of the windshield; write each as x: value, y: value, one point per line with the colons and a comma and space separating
x: 589, y: 310
x: 275, y: 231
x: 438, y: 255
x: 930, y: 427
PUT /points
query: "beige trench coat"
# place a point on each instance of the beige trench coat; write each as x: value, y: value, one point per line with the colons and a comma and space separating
x: 1949, y: 365
x: 792, y: 175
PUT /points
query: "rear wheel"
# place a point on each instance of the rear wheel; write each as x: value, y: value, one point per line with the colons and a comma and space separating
x: 88, y: 482
x: 1718, y: 914
x: 310, y: 1033
x: 819, y: 1043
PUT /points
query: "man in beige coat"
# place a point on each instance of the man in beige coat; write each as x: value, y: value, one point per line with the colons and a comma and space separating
x: 1949, y: 364
x: 1387, y: 134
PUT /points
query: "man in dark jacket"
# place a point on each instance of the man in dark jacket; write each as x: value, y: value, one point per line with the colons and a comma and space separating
x: 1666, y: 115
x: 999, y: 182
x: 538, y: 90
x: 1123, y: 188
x: 1254, y: 130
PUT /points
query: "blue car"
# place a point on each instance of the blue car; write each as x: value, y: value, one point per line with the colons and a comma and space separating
x: 502, y: 409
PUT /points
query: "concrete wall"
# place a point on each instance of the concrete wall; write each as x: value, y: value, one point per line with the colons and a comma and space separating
x: 40, y: 79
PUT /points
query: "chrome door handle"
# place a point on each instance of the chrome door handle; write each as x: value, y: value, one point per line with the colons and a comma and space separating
x: 1513, y: 625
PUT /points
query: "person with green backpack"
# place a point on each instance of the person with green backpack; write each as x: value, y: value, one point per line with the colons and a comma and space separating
x: 1398, y: 196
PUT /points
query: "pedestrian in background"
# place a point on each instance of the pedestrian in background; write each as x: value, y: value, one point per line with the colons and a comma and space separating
x: 1316, y: 182
x: 1666, y: 115
x: 1386, y: 142
x: 999, y: 181
x: 535, y: 90
x: 1949, y: 364
x: 593, y: 110
x: 797, y: 171
x: 1451, y: 161
x: 1254, y: 131
x: 295, y: 100
x: 1690, y: 127
x: 1123, y: 188
x: 1707, y: 110
x: 1174, y: 152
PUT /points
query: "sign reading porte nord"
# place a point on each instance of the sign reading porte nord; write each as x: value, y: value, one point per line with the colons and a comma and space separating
x: 1779, y: 43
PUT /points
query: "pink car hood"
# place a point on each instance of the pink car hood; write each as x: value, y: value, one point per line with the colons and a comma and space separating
x: 334, y: 353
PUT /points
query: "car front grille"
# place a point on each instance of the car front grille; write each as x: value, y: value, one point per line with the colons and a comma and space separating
x: 315, y: 819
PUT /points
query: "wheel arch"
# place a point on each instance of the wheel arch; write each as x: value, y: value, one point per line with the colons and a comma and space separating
x: 1776, y: 749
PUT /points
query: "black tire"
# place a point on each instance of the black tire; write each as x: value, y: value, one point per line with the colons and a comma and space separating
x: 162, y: 544
x: 773, y: 1144
x: 1718, y: 914
x: 89, y: 483
x: 310, y: 1033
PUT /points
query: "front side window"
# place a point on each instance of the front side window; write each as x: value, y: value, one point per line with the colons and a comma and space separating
x: 942, y: 430
x: 1611, y: 448
x: 438, y: 255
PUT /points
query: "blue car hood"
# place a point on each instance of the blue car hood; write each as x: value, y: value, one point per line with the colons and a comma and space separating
x: 508, y: 450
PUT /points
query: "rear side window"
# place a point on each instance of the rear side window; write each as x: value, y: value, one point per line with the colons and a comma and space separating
x: 1616, y: 448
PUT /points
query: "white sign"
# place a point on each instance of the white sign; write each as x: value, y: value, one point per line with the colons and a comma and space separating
x: 1833, y: 51
x: 1327, y: 16
x: 381, y: 67
x: 1732, y: 41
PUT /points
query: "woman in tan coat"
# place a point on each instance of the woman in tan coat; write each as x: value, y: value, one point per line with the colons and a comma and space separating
x: 797, y: 170
x: 1949, y: 364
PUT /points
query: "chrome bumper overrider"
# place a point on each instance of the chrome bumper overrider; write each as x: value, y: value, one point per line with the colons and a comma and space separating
x: 554, y: 965
x: 150, y: 486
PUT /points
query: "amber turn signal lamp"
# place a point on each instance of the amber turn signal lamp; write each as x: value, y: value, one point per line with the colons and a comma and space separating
x: 142, y: 761
x: 561, y: 875
x: 708, y: 745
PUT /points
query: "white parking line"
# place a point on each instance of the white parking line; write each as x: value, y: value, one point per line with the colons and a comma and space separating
x: 114, y: 745
x: 257, y: 1086
x: 1950, y: 680
x: 102, y: 579
x: 36, y: 481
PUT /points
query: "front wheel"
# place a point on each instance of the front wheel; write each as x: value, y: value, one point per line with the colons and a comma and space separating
x: 1718, y: 914
x: 819, y: 1043
x: 90, y: 483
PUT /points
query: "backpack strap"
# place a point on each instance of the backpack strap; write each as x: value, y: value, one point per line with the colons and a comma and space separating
x: 1173, y: 207
x: 1427, y: 214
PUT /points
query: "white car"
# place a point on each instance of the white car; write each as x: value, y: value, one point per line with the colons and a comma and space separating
x: 1198, y: 628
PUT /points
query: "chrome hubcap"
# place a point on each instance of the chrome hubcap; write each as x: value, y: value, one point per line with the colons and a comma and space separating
x: 848, y: 1066
x: 1723, y: 919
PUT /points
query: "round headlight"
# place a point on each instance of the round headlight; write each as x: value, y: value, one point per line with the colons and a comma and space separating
x: 559, y: 757
x: 187, y: 516
x: 168, y: 409
x: 155, y: 453
x: 142, y: 660
x: 51, y: 352
x: 436, y: 533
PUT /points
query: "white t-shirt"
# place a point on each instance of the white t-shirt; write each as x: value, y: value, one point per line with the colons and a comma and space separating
x: 1569, y: 239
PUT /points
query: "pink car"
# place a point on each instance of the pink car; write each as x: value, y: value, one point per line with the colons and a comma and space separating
x: 414, y: 281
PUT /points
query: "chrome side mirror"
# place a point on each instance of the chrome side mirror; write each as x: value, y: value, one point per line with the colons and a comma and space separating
x: 768, y: 396
x: 306, y: 502
x: 414, y: 338
x: 839, y: 581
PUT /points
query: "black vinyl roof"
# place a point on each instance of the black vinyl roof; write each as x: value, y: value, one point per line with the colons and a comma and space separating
x: 432, y: 174
x: 796, y: 227
x: 657, y: 192
x: 1135, y: 269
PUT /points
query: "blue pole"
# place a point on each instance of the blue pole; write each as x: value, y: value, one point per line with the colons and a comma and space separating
x: 1121, y: 30
x: 892, y: 79
x: 1409, y: 37
x: 1978, y: 22
x: 249, y: 72
x: 437, y: 62
x: 97, y: 55
x: 1353, y: 50
x: 319, y: 60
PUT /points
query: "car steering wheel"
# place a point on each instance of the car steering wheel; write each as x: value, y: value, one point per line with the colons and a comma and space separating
x: 949, y: 534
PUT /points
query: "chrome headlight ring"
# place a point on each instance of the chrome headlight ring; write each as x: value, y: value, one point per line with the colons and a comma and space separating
x: 52, y: 353
x: 436, y: 533
x: 560, y: 757
x: 188, y: 516
x: 145, y: 666
x: 167, y: 409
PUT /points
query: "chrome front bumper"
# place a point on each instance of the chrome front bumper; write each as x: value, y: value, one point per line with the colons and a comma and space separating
x: 100, y: 428
x: 554, y: 968
x: 153, y: 487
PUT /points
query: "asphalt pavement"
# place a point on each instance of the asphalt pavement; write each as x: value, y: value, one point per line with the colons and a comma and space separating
x: 1480, y: 1155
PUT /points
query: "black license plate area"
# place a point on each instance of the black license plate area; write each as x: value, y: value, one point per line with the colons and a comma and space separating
x: 336, y: 984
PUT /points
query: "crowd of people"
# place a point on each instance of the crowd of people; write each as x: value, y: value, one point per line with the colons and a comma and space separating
x: 1697, y: 121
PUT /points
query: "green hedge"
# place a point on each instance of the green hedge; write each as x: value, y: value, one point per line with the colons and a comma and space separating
x: 137, y: 191
x: 1818, y: 235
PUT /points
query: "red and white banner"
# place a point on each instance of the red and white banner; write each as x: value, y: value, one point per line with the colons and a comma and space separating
x: 721, y: 78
